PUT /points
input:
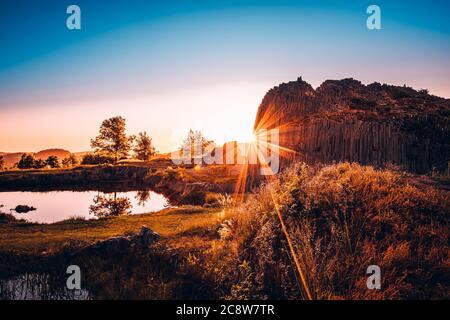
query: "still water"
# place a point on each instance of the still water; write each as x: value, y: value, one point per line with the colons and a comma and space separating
x: 57, y: 206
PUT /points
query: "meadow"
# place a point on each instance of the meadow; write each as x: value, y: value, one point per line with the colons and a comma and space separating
x: 339, y: 219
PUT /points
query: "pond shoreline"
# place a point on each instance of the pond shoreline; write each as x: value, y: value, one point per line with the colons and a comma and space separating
x: 179, y: 184
x: 29, y: 248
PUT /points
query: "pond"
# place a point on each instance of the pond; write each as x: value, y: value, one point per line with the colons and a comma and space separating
x: 55, y: 206
x: 35, y: 286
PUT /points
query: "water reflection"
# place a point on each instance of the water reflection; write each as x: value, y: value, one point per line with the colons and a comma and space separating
x: 56, y: 206
x: 142, y: 197
x: 107, y: 205
x: 36, y: 286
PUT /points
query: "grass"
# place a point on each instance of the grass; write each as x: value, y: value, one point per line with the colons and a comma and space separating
x: 163, y: 272
x: 182, y: 227
x: 341, y: 219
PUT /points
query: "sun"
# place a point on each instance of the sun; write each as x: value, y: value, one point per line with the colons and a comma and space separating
x: 248, y: 137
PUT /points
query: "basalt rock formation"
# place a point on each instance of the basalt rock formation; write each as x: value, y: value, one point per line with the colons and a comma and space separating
x: 345, y: 120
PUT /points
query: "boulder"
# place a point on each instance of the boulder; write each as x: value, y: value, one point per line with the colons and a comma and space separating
x: 24, y: 209
x: 142, y: 241
x: 147, y: 236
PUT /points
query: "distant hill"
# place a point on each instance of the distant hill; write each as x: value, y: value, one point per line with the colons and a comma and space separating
x: 44, y: 154
x: 13, y: 157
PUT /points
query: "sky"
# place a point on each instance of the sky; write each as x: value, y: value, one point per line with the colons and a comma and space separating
x: 168, y: 66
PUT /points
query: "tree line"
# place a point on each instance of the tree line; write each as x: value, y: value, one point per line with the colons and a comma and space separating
x: 112, y: 145
x: 27, y: 161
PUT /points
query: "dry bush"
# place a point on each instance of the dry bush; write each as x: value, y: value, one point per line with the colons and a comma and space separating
x: 341, y: 218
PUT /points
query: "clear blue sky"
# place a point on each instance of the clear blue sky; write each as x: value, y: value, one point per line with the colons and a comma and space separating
x: 170, y: 65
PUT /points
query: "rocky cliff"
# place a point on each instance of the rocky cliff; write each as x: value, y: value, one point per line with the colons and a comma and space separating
x: 345, y: 120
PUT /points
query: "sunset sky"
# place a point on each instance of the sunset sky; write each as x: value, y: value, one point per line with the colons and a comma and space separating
x: 167, y: 66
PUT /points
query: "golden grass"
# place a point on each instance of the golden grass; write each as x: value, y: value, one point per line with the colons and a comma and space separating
x: 182, y: 227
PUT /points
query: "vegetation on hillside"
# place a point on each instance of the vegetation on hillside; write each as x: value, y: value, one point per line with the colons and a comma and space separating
x: 28, y: 161
x: 341, y: 219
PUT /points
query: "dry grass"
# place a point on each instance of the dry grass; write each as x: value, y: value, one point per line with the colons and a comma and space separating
x: 163, y: 272
x: 342, y: 218
x: 177, y: 226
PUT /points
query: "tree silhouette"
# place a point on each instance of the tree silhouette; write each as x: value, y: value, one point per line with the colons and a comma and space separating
x: 52, y: 162
x: 27, y: 161
x: 112, y: 139
x: 70, y: 161
x: 143, y: 148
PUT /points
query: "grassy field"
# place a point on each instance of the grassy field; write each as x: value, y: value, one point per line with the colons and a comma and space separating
x: 340, y: 219
x: 183, y: 227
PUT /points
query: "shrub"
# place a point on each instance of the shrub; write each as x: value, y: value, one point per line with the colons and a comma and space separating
x: 26, y: 161
x: 70, y: 161
x: 52, y: 162
x: 96, y: 159
x: 341, y: 219
x: 171, y: 174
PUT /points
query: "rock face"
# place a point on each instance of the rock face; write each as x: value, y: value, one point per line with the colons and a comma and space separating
x: 344, y: 120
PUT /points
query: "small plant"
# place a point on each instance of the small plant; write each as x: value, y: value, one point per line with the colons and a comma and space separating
x: 225, y: 200
x: 225, y: 230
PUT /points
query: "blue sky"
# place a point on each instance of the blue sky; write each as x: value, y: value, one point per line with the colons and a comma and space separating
x: 167, y: 66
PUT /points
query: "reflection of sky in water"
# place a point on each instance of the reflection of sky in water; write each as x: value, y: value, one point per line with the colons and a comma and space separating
x: 56, y: 206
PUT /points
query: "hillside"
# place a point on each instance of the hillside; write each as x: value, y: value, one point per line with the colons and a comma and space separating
x: 345, y: 120
x: 12, y: 158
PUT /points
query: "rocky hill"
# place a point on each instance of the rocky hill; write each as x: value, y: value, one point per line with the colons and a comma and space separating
x: 345, y: 120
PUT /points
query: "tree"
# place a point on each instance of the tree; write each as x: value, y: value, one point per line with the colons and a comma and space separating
x: 27, y: 161
x: 39, y: 164
x: 143, y: 148
x: 2, y: 163
x: 52, y: 162
x: 195, y: 144
x: 112, y: 139
x: 70, y: 161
